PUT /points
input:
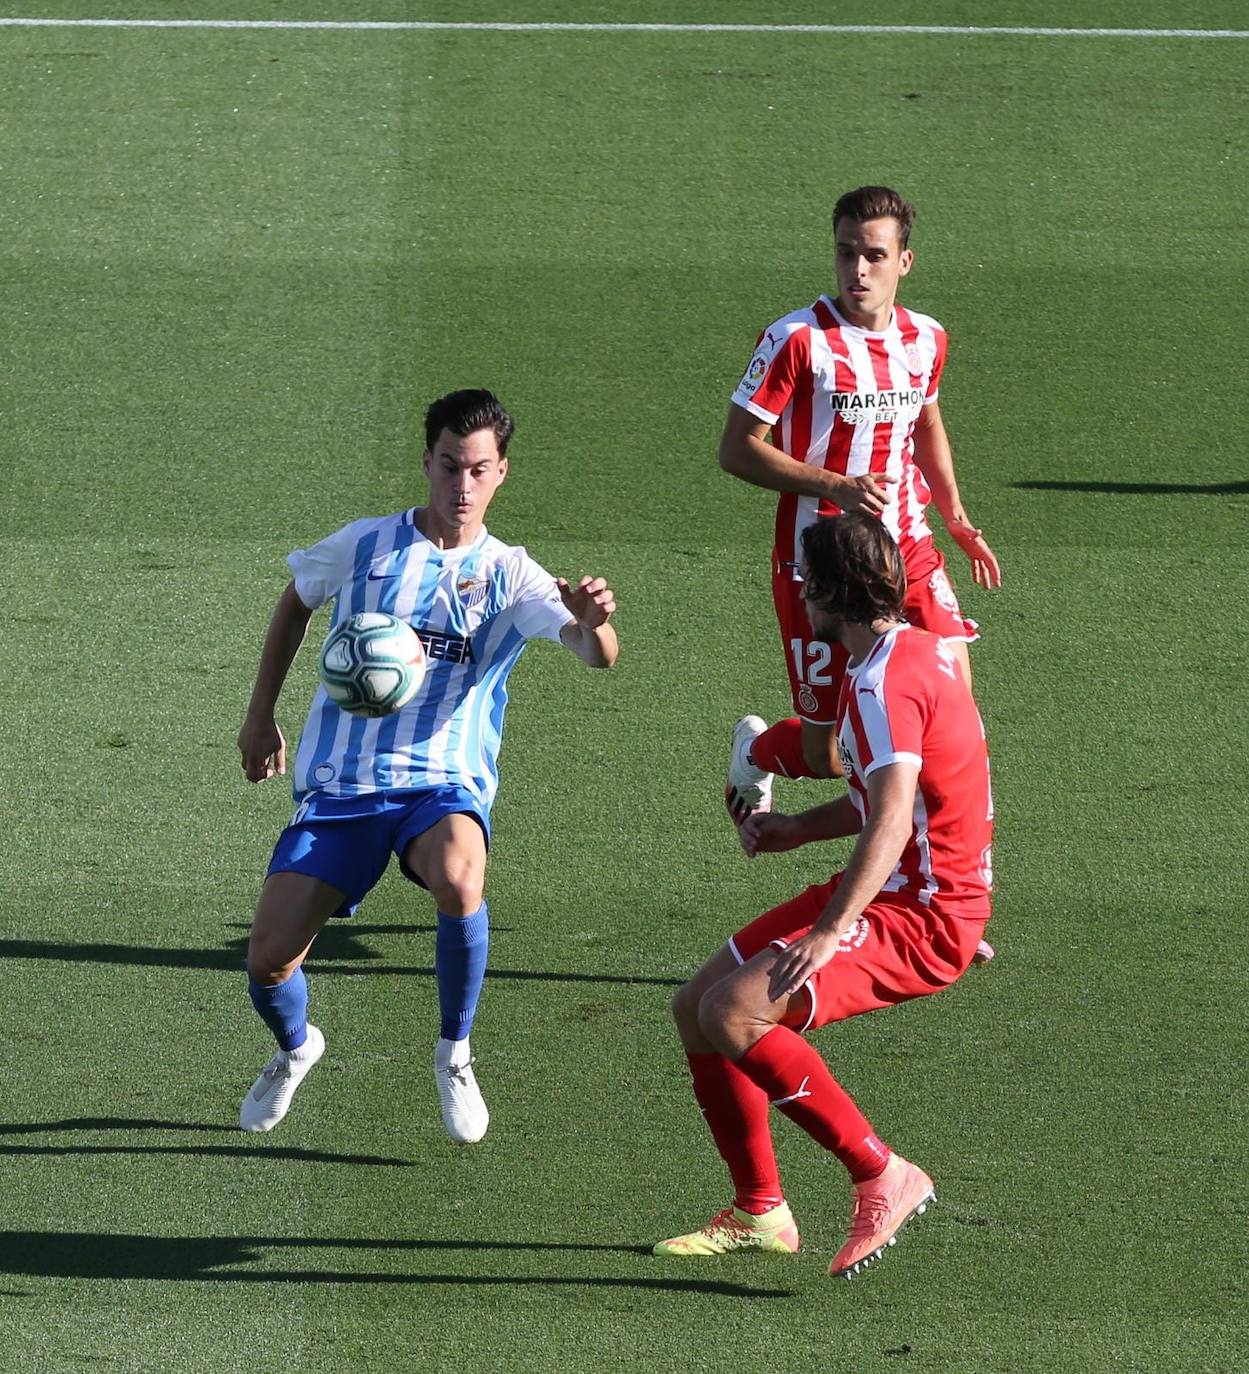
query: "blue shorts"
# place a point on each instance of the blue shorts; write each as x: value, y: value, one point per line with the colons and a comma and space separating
x: 347, y: 841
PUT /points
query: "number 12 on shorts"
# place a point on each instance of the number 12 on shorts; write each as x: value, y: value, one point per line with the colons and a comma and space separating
x: 811, y: 660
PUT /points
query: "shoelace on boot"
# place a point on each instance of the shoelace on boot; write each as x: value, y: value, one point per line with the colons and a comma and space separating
x: 870, y: 1209
x: 727, y: 1224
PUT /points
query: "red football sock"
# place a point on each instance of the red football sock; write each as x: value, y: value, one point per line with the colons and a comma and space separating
x: 737, y: 1113
x: 798, y: 1083
x: 779, y: 750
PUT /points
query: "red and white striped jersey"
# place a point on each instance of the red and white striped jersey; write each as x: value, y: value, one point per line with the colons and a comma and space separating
x: 846, y: 399
x: 907, y: 702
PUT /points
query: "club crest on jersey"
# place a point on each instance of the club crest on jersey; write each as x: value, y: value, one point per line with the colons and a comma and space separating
x: 471, y: 591
x: 807, y: 700
x: 914, y: 363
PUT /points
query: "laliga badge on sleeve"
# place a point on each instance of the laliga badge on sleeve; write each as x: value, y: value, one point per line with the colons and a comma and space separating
x: 754, y: 373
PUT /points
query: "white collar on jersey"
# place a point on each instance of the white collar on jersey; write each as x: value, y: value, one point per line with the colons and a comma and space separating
x: 890, y: 328
x: 855, y: 667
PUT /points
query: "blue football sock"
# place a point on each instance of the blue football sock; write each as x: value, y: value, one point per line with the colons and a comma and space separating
x: 283, y: 1007
x: 460, y: 947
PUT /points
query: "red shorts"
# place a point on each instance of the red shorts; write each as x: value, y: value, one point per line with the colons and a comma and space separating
x: 816, y: 668
x: 930, y: 601
x: 897, y: 950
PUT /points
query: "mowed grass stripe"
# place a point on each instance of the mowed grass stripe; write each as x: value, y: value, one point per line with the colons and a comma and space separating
x: 501, y: 26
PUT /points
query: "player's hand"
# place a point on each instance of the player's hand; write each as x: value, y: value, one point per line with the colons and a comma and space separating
x: 263, y: 749
x: 800, y: 961
x: 769, y: 832
x: 591, y: 601
x: 984, y: 569
x: 870, y: 492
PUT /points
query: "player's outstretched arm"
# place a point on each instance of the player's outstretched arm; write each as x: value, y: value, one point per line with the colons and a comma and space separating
x: 935, y: 460
x: 260, y: 740
x: 746, y: 453
x: 589, y: 634
x: 773, y: 832
x: 891, y: 803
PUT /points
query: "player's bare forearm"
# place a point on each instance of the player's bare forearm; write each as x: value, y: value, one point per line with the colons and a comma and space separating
x: 589, y: 635
x: 598, y: 648
x: 260, y: 741
x: 875, y: 856
x: 761, y: 464
x: 879, y: 847
x: 832, y: 821
x: 774, y: 832
x: 746, y: 453
x: 890, y: 816
x: 261, y: 744
x: 891, y: 802
x: 935, y: 459
x: 287, y: 628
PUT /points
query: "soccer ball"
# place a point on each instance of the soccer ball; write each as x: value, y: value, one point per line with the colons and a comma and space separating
x: 372, y: 664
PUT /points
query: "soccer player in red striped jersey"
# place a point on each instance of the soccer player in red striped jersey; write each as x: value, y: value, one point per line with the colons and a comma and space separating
x: 902, y: 919
x: 848, y: 388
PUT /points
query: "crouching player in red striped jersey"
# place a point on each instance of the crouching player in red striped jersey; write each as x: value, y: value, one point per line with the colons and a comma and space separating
x: 901, y: 920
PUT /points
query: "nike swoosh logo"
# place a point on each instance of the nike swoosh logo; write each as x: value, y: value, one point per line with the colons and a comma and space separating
x: 375, y: 576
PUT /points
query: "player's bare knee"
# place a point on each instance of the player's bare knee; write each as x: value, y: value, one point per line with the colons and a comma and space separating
x: 268, y: 964
x: 685, y: 1006
x: 728, y: 1023
x: 718, y: 1008
x: 458, y: 897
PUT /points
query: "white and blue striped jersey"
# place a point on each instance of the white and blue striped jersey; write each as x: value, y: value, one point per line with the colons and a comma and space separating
x: 474, y: 608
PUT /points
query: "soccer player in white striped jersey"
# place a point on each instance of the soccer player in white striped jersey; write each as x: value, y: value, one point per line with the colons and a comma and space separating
x: 418, y: 783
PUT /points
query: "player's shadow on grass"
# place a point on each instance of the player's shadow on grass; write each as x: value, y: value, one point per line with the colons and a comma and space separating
x: 1141, y: 488
x: 215, y: 1259
x: 286, y: 1154
x: 340, y: 949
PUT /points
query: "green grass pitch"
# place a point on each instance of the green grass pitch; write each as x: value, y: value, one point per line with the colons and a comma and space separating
x: 236, y: 266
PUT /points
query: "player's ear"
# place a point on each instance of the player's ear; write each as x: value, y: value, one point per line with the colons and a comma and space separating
x: 425, y: 462
x: 905, y: 259
x: 502, y: 468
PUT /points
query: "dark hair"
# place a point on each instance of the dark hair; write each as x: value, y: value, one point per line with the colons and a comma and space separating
x: 854, y: 569
x: 876, y: 202
x: 464, y: 413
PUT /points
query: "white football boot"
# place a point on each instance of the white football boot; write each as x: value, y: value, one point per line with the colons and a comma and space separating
x: 464, y: 1112
x: 270, y: 1097
x: 746, y: 787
